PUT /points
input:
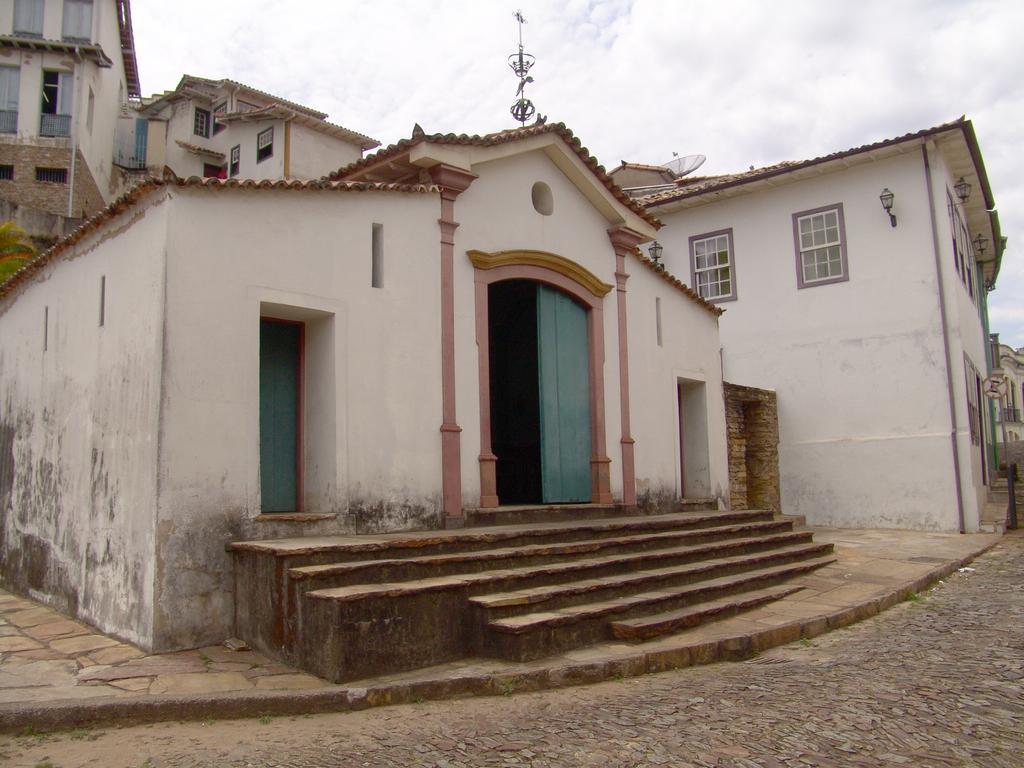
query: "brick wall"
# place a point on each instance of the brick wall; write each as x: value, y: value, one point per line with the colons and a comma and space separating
x: 752, y: 422
x: 48, y: 197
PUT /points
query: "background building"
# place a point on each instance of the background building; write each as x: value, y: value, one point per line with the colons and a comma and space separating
x: 67, y: 70
x: 870, y: 324
x: 224, y: 129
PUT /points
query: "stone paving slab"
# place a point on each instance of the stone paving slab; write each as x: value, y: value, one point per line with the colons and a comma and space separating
x: 84, y: 677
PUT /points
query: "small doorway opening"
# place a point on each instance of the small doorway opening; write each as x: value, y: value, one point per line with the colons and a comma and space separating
x: 694, y: 464
x: 281, y: 373
x: 540, y: 394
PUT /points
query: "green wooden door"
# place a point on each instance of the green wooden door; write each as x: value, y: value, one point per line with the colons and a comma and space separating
x: 280, y: 358
x: 564, y: 378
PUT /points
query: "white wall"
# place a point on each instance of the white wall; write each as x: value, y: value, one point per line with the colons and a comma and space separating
x: 859, y: 365
x: 78, y: 435
x: 314, y: 154
x: 109, y: 88
x: 308, y: 252
x: 967, y: 338
x: 689, y: 352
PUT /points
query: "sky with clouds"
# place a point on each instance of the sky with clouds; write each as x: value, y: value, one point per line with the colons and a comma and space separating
x: 744, y: 82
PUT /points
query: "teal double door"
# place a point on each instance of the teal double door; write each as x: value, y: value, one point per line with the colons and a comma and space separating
x: 540, y: 394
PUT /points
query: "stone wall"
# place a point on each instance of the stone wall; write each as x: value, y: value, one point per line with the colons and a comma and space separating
x: 753, y: 438
x: 47, y: 196
x: 1014, y: 452
x: 44, y: 228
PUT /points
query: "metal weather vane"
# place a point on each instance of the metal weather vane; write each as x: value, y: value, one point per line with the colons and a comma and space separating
x: 522, y: 108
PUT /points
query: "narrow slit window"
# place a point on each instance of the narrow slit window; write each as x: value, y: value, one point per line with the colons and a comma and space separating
x: 46, y: 328
x: 103, y: 300
x: 657, y: 317
x: 377, y: 256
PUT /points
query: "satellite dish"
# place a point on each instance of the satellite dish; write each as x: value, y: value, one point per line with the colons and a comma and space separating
x: 680, y: 166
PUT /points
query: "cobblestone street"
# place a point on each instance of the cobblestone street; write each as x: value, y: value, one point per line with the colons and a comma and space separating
x: 936, y: 681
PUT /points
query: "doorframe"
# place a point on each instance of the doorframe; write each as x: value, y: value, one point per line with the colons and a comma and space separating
x: 586, y: 288
x: 300, y: 428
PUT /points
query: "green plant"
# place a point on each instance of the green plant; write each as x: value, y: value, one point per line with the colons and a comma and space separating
x: 806, y: 642
x: 44, y: 764
x: 913, y: 597
x: 507, y: 689
x: 265, y: 719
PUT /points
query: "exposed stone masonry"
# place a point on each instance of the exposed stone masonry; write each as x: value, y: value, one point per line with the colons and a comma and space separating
x: 753, y: 443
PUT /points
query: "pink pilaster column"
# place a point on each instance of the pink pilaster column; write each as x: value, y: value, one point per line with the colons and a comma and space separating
x: 624, y: 241
x: 452, y: 181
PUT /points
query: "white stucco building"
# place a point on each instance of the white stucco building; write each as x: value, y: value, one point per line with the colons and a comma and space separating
x: 209, y: 360
x: 67, y: 69
x: 1010, y: 363
x: 226, y: 129
x: 871, y: 328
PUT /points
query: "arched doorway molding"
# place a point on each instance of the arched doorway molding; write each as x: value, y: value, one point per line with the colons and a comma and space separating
x: 586, y: 288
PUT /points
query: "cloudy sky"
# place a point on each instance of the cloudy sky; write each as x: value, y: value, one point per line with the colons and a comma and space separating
x: 745, y: 83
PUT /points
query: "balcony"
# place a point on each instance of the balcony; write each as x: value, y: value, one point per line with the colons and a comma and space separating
x: 8, y: 121
x: 1011, y: 415
x: 55, y: 125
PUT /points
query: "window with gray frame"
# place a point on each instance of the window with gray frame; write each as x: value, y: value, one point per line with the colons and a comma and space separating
x: 820, y: 239
x: 77, y: 23
x: 201, y: 123
x: 711, y: 265
x: 10, y: 78
x: 264, y: 145
x: 28, y: 18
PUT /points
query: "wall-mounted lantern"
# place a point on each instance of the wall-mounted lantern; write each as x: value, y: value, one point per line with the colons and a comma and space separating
x: 962, y: 189
x: 980, y: 245
x: 655, y: 249
x: 887, y: 199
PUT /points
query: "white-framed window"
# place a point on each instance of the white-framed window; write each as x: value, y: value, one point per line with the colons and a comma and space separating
x: 264, y: 144
x: 820, y: 239
x: 201, y: 123
x: 77, y: 23
x: 28, y: 18
x: 10, y: 79
x: 235, y: 163
x: 55, y: 110
x: 711, y: 265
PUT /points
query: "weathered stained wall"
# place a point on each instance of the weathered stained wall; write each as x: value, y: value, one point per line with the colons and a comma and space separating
x: 751, y: 415
x: 78, y: 432
x: 372, y: 357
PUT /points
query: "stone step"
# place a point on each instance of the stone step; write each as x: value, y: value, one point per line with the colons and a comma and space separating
x: 552, y: 577
x: 424, y: 566
x: 535, y: 635
x: 520, y: 514
x: 561, y: 595
x: 311, y: 550
x: 650, y: 627
x: 269, y: 602
x: 538, y: 513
